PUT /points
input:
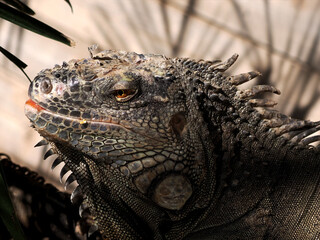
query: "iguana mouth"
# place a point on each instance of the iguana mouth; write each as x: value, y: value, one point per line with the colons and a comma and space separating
x: 33, y: 104
x: 35, y: 113
x: 82, y: 134
x: 31, y: 107
x: 56, y: 126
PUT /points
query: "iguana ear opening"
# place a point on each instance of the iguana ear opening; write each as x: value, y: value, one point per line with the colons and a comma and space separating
x: 178, y: 124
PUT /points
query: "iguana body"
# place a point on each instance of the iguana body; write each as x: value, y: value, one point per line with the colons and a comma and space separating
x: 171, y: 149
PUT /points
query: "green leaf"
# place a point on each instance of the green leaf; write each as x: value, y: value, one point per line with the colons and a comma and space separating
x: 21, y: 65
x: 32, y: 24
x: 7, y: 212
x: 69, y: 3
x: 13, y: 58
x: 21, y: 6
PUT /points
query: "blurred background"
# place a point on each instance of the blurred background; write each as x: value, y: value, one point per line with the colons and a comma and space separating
x: 279, y: 38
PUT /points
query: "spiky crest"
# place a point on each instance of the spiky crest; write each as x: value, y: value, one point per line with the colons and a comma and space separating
x: 208, y: 82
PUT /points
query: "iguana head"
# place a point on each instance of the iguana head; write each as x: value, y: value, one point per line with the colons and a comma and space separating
x: 127, y: 112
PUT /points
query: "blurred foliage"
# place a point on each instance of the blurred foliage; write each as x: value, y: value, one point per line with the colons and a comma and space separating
x: 21, y: 65
x: 7, y: 213
x: 17, y: 12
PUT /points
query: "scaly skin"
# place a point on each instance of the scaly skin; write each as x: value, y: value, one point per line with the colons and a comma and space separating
x: 170, y: 149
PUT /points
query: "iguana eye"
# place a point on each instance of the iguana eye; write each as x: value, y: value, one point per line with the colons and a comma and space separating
x: 123, y: 95
x: 46, y: 86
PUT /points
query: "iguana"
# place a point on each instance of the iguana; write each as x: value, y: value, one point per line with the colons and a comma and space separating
x: 171, y: 148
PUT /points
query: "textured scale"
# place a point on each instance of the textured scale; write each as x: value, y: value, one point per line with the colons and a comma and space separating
x: 171, y: 149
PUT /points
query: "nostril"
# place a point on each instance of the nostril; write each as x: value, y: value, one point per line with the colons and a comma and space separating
x: 46, y: 86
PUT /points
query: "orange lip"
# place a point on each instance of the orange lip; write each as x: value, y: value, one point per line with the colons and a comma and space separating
x: 34, y: 105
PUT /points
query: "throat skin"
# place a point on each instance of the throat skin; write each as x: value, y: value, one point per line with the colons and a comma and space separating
x: 104, y: 193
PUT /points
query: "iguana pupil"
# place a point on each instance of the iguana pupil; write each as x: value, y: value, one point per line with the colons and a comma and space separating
x: 121, y: 94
